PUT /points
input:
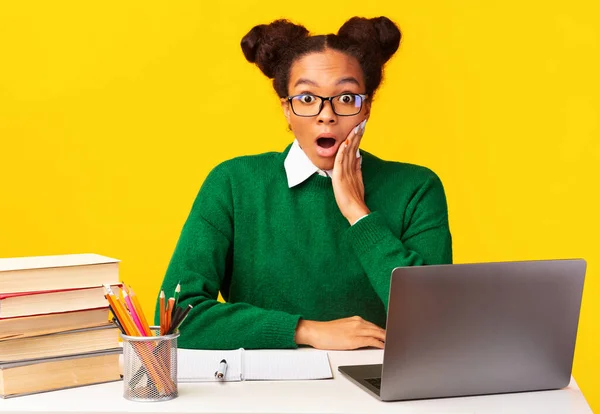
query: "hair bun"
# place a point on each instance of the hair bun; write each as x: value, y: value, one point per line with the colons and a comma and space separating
x: 379, y: 33
x: 265, y: 45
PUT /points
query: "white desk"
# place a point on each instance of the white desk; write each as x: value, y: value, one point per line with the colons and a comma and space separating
x: 329, y: 396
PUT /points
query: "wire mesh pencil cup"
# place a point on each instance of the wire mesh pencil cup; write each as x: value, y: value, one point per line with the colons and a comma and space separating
x: 150, y: 367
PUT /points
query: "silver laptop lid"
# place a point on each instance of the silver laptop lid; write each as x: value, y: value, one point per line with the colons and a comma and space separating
x: 481, y: 328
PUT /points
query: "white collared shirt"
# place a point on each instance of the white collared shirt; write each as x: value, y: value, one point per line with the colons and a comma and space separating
x: 299, y: 168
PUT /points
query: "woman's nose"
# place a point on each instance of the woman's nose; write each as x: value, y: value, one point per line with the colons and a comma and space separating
x: 327, y: 116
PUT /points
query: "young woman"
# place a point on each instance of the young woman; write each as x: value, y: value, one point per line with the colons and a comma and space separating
x: 302, y: 243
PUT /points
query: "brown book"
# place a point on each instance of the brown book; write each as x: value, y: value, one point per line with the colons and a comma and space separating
x: 79, y: 341
x: 30, y: 274
x: 53, y: 301
x: 40, y: 375
x: 35, y: 325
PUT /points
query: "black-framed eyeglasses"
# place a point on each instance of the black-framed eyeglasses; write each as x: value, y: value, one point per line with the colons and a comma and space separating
x: 344, y: 104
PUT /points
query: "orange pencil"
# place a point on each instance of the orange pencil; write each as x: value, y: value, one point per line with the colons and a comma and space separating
x: 138, y: 309
x: 122, y: 314
x: 128, y: 319
x: 110, y: 297
x: 169, y: 314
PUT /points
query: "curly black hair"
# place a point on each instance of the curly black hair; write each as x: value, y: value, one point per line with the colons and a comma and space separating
x: 276, y: 46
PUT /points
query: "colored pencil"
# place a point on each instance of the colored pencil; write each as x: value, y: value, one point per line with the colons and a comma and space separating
x: 138, y: 308
x: 169, y: 314
x: 133, y: 313
x: 175, y: 326
x: 161, y: 310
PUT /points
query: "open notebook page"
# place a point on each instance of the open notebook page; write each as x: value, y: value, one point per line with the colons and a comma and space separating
x: 286, y: 365
x: 198, y: 365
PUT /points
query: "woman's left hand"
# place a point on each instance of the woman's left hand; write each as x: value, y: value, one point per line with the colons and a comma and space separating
x: 347, y: 179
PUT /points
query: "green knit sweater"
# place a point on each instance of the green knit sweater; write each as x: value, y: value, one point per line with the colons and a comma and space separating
x: 278, y: 254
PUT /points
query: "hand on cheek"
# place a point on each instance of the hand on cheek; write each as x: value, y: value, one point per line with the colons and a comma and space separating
x: 347, y: 179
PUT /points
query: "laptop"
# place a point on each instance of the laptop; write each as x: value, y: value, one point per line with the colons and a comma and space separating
x: 473, y: 329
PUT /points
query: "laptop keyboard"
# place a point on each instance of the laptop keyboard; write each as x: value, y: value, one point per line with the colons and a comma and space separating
x: 376, y: 382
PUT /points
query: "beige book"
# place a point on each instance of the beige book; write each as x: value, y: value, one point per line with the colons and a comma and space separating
x: 35, y: 325
x: 37, y: 303
x: 29, y: 274
x: 60, y: 344
x: 57, y: 373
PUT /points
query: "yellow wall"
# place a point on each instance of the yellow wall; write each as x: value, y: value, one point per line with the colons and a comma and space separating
x: 112, y: 113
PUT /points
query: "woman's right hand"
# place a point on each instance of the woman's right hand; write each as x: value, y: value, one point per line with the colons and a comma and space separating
x: 340, y: 334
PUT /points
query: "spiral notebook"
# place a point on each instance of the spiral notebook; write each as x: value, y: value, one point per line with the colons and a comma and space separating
x: 253, y: 365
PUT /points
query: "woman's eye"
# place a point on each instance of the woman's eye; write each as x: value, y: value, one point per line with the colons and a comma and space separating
x: 346, y: 99
x: 307, y: 99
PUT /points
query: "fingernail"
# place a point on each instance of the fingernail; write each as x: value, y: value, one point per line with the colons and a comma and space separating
x: 346, y: 143
x: 363, y: 125
x: 356, y: 129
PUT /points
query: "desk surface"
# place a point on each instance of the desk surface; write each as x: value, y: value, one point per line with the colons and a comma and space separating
x: 328, y: 396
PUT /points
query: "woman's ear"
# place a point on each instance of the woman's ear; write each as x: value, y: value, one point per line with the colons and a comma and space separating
x: 367, y: 108
x: 285, y: 105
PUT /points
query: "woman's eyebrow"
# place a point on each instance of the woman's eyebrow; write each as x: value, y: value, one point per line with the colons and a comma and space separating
x: 305, y: 81
x: 349, y: 79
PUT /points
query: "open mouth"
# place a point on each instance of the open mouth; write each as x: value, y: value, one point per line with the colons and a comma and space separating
x: 327, y: 146
x: 326, y: 142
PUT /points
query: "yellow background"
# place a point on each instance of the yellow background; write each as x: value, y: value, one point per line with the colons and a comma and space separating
x: 112, y: 113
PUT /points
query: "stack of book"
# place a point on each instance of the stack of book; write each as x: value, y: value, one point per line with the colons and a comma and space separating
x: 54, y: 327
